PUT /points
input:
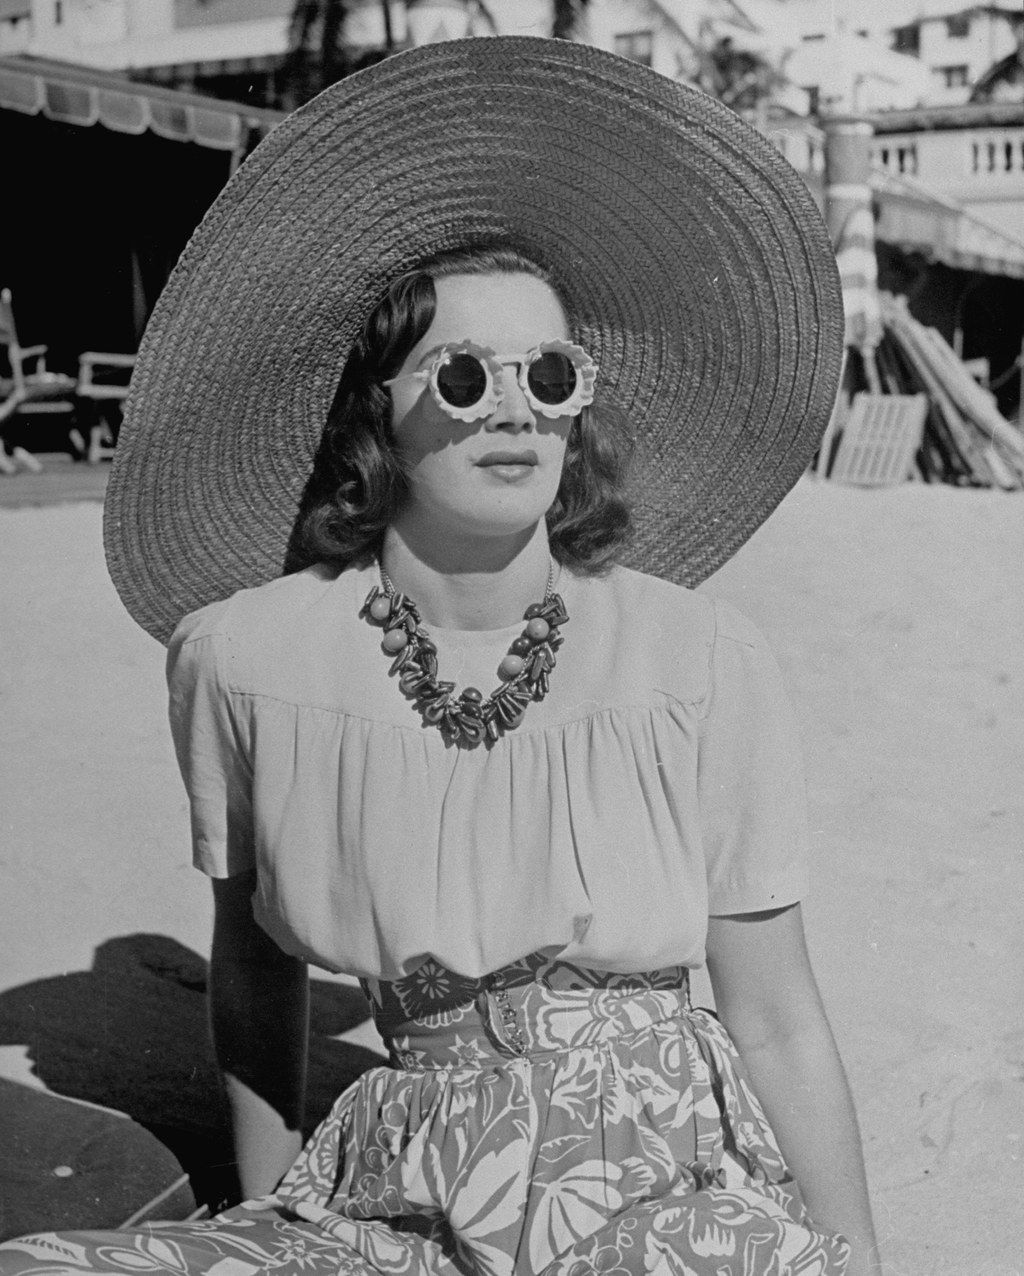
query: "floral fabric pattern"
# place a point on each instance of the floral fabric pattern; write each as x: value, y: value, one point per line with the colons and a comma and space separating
x: 545, y: 1121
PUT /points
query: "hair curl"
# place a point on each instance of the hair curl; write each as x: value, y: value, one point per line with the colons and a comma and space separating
x: 362, y: 484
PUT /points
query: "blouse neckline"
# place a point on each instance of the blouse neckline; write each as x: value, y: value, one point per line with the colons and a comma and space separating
x: 469, y: 638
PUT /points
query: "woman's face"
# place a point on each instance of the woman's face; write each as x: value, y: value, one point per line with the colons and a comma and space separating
x: 499, y: 475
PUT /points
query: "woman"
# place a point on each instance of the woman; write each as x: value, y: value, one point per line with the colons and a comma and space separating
x: 522, y: 877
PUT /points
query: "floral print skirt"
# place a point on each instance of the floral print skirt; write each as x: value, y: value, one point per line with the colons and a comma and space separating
x: 546, y: 1120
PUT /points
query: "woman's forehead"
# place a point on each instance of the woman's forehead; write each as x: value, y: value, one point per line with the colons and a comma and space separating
x: 499, y: 310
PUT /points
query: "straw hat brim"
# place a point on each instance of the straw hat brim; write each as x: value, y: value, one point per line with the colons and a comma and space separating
x: 691, y: 255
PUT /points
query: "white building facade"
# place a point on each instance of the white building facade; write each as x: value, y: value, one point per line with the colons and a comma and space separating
x: 137, y: 35
x: 959, y: 47
x: 972, y: 155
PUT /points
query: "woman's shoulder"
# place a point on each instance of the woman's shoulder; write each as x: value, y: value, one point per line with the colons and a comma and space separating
x: 697, y: 611
x: 644, y: 630
x: 275, y: 638
x: 648, y: 604
x: 276, y: 608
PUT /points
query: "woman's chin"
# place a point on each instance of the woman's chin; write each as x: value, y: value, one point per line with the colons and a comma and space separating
x: 499, y: 513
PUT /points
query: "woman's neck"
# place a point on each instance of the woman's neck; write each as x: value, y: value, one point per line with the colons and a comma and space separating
x: 471, y: 584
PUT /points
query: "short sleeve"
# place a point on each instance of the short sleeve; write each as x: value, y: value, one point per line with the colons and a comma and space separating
x: 211, y: 748
x: 750, y: 777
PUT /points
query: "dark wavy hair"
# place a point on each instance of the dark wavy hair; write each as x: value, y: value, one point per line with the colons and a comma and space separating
x: 361, y: 482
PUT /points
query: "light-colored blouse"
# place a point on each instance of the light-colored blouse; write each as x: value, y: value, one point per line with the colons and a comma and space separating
x: 659, y: 781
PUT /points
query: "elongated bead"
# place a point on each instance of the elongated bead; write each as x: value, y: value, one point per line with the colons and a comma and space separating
x: 401, y: 660
x: 506, y: 712
x: 433, y: 713
x: 554, y: 611
x: 412, y: 680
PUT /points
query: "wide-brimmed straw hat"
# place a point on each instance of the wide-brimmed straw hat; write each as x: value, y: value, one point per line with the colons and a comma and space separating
x: 692, y: 257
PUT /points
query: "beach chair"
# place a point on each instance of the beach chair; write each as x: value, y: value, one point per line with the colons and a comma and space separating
x: 102, y: 388
x: 29, y: 389
x: 880, y: 437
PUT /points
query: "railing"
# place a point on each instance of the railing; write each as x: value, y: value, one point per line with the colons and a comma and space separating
x: 998, y: 154
x: 896, y: 157
x: 937, y: 157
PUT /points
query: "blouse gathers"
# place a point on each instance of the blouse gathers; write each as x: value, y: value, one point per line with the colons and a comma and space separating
x: 657, y: 783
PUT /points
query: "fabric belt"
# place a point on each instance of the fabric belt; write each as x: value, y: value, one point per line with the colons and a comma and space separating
x: 503, y: 1023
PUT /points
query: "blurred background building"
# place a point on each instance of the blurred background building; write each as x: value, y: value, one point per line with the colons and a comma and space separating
x: 121, y: 119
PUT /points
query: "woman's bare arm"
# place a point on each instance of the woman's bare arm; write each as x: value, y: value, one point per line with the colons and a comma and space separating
x: 768, y: 1000
x: 259, y: 1009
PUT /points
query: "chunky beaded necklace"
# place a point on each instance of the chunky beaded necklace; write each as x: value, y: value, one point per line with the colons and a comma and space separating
x: 467, y: 719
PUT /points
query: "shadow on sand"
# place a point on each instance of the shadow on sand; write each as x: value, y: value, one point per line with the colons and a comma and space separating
x: 131, y: 1034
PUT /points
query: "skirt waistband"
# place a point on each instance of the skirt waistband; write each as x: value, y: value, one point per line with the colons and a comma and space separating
x: 502, y: 1023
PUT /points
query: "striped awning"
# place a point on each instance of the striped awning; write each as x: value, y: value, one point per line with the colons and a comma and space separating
x: 916, y: 220
x: 85, y: 96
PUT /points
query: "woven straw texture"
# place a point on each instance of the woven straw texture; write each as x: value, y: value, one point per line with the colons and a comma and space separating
x: 692, y: 257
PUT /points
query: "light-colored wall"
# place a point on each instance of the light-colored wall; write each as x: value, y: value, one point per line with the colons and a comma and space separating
x: 990, y: 37
x: 15, y: 35
x: 982, y: 169
x: 855, y: 73
x: 802, y: 144
x: 671, y: 55
x: 212, y: 13
x: 117, y: 34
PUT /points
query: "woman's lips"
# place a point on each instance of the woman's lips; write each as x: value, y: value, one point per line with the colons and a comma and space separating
x: 509, y: 467
x: 508, y: 459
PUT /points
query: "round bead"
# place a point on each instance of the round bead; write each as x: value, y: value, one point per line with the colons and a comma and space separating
x: 394, y: 640
x: 380, y: 608
x: 511, y: 666
x: 538, y: 629
x: 534, y: 609
x: 471, y: 693
x: 521, y: 646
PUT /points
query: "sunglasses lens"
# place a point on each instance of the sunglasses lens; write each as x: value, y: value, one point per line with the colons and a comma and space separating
x: 552, y: 377
x: 462, y: 381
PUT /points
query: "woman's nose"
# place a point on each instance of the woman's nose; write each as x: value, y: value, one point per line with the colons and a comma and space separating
x: 513, y: 413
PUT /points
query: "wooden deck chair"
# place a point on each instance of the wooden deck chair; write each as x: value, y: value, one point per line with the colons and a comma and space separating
x: 102, y: 388
x: 28, y: 388
x: 880, y: 436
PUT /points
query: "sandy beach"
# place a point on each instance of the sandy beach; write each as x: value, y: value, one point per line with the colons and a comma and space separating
x: 898, y: 618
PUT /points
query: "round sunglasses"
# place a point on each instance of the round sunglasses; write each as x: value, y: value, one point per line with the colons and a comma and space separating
x: 556, y: 378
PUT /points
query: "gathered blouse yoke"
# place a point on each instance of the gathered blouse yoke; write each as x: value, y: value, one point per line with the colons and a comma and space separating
x: 657, y: 783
